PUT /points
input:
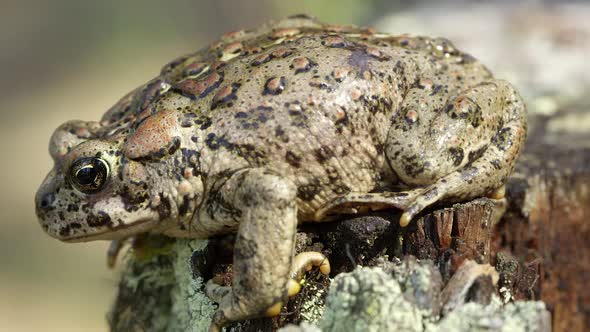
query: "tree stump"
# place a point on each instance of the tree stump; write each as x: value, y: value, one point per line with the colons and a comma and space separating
x: 546, y: 227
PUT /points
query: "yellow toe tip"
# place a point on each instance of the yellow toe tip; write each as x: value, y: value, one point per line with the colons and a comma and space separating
x: 274, y: 310
x: 498, y: 193
x: 404, y: 220
x: 293, y: 288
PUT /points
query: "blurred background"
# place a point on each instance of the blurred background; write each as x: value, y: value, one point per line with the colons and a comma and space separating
x: 70, y: 59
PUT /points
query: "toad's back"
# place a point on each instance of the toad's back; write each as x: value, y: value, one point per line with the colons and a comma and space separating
x: 309, y: 102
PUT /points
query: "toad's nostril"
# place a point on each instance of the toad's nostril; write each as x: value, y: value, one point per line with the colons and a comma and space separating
x: 47, y: 200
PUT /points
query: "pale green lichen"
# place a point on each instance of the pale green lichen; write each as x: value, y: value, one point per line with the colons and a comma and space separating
x: 303, y: 327
x: 513, y: 317
x: 191, y: 308
x: 368, y: 299
x: 155, y: 277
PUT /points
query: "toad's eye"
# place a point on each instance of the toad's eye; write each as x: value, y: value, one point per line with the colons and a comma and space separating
x: 89, y: 175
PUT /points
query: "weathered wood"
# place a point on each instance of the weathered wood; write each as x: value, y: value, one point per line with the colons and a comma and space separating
x: 546, y: 227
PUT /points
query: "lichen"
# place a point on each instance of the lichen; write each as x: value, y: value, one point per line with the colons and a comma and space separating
x: 513, y: 317
x: 191, y: 308
x: 368, y: 299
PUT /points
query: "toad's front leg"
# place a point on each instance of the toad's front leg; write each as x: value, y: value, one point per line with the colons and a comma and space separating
x: 264, y: 204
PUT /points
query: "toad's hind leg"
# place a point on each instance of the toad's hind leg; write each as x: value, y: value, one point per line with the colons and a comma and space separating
x: 264, y: 204
x: 488, y: 171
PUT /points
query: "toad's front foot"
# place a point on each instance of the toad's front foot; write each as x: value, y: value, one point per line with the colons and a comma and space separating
x: 302, y: 263
x: 232, y: 308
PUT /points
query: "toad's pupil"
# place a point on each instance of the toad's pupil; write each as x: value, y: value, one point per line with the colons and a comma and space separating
x: 86, y: 175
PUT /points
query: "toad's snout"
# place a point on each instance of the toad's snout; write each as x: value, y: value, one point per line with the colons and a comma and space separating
x: 44, y: 202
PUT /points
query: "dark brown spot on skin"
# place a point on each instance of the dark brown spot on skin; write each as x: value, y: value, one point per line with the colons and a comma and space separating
x: 496, y: 163
x: 214, y: 142
x: 465, y: 108
x: 250, y: 153
x: 274, y: 86
x: 280, y: 134
x: 203, y: 122
x: 415, y: 166
x: 293, y: 159
x: 457, y: 155
x: 309, y: 191
x: 246, y: 250
x: 474, y: 155
x: 185, y: 207
x: 164, y: 208
x: 65, y: 231
x: 297, y: 116
x: 254, y: 117
x: 322, y: 154
x: 502, y: 139
x: 317, y: 82
x: 341, y: 189
x: 97, y: 220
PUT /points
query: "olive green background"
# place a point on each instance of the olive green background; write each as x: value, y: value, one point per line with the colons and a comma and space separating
x: 71, y: 59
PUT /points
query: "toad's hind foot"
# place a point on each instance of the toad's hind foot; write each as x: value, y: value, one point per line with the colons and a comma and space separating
x: 364, y: 202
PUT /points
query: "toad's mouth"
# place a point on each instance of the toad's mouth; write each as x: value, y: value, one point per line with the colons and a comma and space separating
x: 115, y: 232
